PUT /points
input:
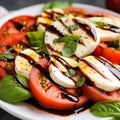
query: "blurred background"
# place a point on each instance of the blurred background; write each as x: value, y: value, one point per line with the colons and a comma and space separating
x: 18, y: 4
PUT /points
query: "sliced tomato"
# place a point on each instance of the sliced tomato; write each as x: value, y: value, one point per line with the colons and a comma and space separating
x: 77, y: 11
x: 14, y: 39
x: 3, y: 64
x: 7, y: 29
x: 2, y: 72
x: 52, y: 97
x: 26, y: 21
x: 108, y: 53
x: 16, y: 25
x: 104, y: 14
x: 97, y: 95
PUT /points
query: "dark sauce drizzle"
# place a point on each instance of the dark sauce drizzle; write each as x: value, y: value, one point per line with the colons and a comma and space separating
x: 39, y: 67
x: 86, y: 28
x: 110, y: 28
x: 53, y: 30
x: 111, y: 67
x: 62, y: 113
x: 93, y: 66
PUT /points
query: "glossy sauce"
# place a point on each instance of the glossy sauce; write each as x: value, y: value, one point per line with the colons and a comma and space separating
x: 46, y: 73
x: 111, y: 67
x: 62, y: 113
x: 110, y: 28
x: 93, y: 66
x: 89, y: 31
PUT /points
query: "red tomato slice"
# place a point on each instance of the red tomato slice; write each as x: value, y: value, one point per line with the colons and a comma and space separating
x: 51, y: 97
x: 2, y: 72
x: 14, y: 39
x: 107, y: 14
x: 108, y: 53
x: 97, y: 95
x: 17, y: 24
x: 3, y: 64
x: 77, y: 11
x: 7, y: 29
x: 25, y: 21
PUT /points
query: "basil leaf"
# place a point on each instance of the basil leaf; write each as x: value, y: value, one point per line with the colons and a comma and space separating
x: 106, y: 109
x: 2, y: 58
x: 56, y: 4
x: 116, y: 118
x: 67, y: 38
x: 23, y: 81
x: 11, y: 91
x: 70, y: 73
x: 70, y: 45
x: 73, y: 27
x: 69, y: 48
x: 98, y: 23
x: 80, y: 82
x: 36, y: 39
x: 7, y: 56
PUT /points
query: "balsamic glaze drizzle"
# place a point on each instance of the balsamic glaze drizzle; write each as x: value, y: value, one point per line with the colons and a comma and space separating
x: 89, y: 31
x: 39, y: 67
x: 111, y: 67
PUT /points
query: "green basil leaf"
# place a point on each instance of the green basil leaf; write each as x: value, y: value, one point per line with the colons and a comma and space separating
x: 80, y: 82
x: 23, y: 81
x: 73, y: 27
x: 11, y: 91
x: 69, y: 48
x: 67, y: 38
x: 106, y: 109
x: 9, y: 56
x: 56, y: 4
x: 2, y: 58
x: 70, y: 73
x: 116, y: 118
x: 98, y: 23
x: 36, y: 39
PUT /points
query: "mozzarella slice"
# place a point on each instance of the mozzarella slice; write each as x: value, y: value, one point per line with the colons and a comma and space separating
x: 22, y: 65
x: 99, y: 74
x: 58, y: 70
x: 86, y: 30
x: 47, y: 17
x: 107, y: 33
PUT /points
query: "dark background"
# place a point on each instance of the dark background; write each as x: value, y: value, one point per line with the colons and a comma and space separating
x: 17, y: 4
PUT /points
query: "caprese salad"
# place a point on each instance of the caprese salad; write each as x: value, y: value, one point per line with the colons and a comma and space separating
x: 63, y: 58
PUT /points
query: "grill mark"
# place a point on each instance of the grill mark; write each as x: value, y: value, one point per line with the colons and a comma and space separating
x: 65, y: 26
x: 93, y: 66
x: 111, y: 67
x: 53, y: 30
x: 39, y: 67
x: 89, y: 31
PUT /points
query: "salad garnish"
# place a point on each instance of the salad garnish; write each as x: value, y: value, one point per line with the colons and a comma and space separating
x: 62, y: 59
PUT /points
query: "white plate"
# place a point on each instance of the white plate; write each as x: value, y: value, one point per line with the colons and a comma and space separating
x: 28, y: 112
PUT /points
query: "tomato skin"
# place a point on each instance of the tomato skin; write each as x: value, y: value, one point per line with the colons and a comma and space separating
x: 104, y: 14
x: 26, y: 20
x: 52, y: 96
x: 13, y: 39
x: 97, y: 95
x: 2, y: 72
x: 9, y: 28
x: 76, y: 10
x: 108, y: 53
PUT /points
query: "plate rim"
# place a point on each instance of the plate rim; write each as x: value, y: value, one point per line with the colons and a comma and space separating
x: 3, y: 105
